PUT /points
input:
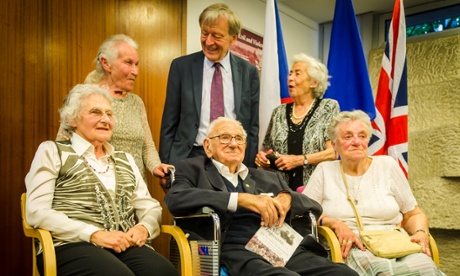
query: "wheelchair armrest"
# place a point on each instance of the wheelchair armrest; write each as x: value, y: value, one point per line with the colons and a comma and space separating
x: 205, y: 212
x: 306, y: 220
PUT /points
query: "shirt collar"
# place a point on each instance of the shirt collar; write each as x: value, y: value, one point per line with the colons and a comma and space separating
x: 81, y: 146
x: 225, y: 62
x: 242, y: 171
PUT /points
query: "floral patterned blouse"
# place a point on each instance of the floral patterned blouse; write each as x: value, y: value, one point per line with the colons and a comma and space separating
x: 315, y: 135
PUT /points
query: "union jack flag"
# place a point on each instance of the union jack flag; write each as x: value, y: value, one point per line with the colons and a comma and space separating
x: 390, y: 135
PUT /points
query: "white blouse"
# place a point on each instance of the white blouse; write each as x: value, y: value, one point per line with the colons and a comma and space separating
x: 382, y: 193
x: 40, y: 184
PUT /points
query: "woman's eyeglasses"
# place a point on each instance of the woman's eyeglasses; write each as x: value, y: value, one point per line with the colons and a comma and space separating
x: 97, y: 113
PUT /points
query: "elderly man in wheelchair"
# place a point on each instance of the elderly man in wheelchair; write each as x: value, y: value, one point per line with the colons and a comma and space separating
x: 245, y: 199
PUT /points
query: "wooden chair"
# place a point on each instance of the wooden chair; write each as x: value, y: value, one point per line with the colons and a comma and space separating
x: 49, y: 257
x: 336, y: 253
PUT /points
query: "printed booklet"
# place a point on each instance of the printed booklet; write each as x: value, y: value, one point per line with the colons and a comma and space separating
x: 275, y: 244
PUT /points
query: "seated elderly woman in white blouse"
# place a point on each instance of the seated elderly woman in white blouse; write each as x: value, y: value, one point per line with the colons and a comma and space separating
x: 92, y: 198
x: 382, y: 195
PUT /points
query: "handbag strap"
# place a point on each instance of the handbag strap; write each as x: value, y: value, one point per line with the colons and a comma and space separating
x: 352, y: 202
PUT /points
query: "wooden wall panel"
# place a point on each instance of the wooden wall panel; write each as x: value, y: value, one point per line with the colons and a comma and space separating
x: 48, y: 46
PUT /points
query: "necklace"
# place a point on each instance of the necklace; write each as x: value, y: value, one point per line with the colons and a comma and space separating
x: 300, y: 117
x: 96, y: 171
x: 294, y: 127
x: 356, y: 185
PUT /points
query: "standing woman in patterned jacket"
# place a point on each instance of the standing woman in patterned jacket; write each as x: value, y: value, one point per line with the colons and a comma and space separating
x: 296, y: 139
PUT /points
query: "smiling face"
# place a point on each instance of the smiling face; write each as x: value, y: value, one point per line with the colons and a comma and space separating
x: 215, y: 39
x: 124, y: 69
x: 95, y: 120
x: 299, y: 81
x: 352, y: 140
x: 231, y: 154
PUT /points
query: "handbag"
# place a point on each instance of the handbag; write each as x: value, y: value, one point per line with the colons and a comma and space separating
x: 383, y: 243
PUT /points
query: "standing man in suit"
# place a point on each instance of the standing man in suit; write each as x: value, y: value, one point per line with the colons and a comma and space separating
x: 245, y: 199
x: 186, y: 114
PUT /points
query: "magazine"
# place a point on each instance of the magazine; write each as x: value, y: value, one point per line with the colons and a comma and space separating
x: 275, y: 244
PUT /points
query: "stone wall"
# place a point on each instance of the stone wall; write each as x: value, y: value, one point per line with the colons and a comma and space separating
x: 434, y: 136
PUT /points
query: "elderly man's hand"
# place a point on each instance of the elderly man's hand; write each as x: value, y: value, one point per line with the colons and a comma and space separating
x: 285, y: 199
x: 271, y: 210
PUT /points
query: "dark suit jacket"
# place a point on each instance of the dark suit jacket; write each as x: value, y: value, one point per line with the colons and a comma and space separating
x: 198, y: 183
x: 181, y: 115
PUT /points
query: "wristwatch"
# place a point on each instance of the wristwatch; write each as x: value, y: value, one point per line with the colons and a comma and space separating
x: 305, y: 160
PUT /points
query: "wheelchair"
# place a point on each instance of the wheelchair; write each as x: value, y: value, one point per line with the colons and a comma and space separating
x: 205, y: 250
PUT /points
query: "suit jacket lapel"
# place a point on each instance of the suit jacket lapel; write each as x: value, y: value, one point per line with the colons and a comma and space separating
x: 249, y: 185
x: 197, y: 79
x: 237, y: 82
x: 214, y: 177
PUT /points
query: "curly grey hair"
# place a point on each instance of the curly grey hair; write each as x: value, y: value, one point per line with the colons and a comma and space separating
x: 317, y: 71
x: 75, y: 100
x: 345, y: 117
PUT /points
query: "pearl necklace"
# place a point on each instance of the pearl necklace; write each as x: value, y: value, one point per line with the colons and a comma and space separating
x: 96, y: 171
x: 306, y: 112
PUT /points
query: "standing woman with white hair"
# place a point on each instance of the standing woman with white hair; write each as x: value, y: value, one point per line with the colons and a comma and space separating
x: 296, y: 139
x: 117, y: 68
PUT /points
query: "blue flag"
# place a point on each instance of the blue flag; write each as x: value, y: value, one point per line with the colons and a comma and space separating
x: 350, y: 84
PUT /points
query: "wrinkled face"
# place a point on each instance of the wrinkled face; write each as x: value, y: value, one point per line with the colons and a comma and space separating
x: 299, y: 81
x: 95, y: 120
x: 123, y: 71
x: 215, y: 39
x: 352, y: 140
x: 231, y: 154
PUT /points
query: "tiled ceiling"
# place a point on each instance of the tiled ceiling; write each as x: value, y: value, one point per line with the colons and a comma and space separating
x: 323, y: 10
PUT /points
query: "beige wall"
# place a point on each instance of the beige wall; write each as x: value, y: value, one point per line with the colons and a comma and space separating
x: 434, y: 136
x: 301, y: 34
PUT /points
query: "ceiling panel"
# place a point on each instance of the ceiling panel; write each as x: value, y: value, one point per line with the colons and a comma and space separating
x: 323, y: 10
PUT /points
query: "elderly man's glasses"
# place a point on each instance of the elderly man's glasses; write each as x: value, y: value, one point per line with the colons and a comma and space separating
x: 227, y: 138
x: 97, y: 113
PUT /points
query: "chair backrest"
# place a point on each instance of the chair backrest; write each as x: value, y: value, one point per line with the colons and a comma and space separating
x: 46, y: 241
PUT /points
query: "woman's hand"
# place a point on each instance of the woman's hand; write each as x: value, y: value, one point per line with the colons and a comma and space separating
x: 162, y: 170
x: 347, y: 238
x: 289, y: 162
x: 138, y: 235
x: 262, y: 160
x: 416, y: 222
x: 423, y: 239
x: 118, y: 241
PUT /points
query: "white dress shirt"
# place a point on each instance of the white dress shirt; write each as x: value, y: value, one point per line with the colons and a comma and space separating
x: 242, y: 172
x: 229, y: 96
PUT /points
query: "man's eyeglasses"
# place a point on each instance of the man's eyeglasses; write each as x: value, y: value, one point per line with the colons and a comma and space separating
x: 227, y: 138
x: 97, y: 113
